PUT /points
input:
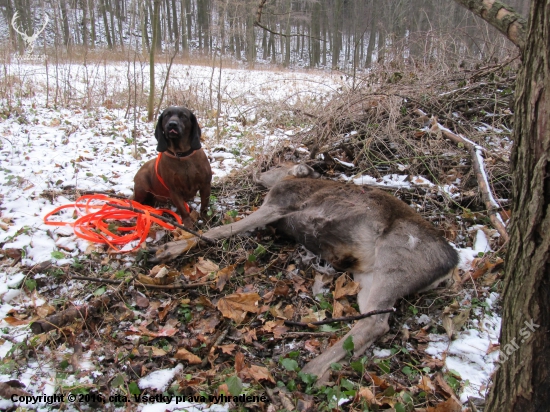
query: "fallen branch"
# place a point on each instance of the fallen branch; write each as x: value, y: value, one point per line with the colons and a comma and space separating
x: 477, y: 162
x: 133, y: 209
x: 174, y: 286
x: 67, y: 316
x: 342, y: 319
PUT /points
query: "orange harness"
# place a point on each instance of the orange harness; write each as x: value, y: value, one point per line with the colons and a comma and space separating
x: 96, y: 220
x: 161, y: 180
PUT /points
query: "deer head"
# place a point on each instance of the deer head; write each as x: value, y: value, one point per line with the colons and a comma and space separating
x: 29, y: 40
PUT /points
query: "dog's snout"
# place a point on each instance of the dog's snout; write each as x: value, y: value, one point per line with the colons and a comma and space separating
x: 173, y: 124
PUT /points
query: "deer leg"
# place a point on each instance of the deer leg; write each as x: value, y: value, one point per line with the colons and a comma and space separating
x: 374, y: 294
x: 263, y: 216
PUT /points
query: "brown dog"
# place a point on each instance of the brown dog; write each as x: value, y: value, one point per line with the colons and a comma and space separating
x: 181, y: 169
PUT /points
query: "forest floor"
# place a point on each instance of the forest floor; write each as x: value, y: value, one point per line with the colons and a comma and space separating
x: 212, y: 321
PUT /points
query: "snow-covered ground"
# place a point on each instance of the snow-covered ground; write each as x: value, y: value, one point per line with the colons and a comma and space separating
x: 46, y: 152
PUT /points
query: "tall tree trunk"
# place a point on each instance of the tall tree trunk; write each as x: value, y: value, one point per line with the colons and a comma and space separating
x: 522, y: 383
x: 106, y: 23
x: 250, y: 37
x: 84, y: 7
x: 91, y: 6
x: 315, y: 31
x: 184, y: 38
x: 144, y: 32
x: 112, y: 17
x: 65, y: 22
x: 168, y: 19
x: 175, y: 25
x: 156, y: 35
x: 287, y: 32
x: 336, y: 33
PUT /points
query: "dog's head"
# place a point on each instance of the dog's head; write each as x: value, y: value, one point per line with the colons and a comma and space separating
x: 178, y: 130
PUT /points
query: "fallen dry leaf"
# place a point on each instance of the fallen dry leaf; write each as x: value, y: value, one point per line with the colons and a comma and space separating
x: 223, y: 276
x: 426, y: 384
x: 45, y: 310
x: 450, y: 405
x: 249, y: 335
x: 367, y: 394
x: 228, y: 349
x: 185, y: 355
x: 337, y: 309
x: 349, y: 289
x: 312, y: 345
x: 239, y: 362
x: 206, y: 325
x: 206, y: 266
x: 237, y: 305
x: 151, y: 351
x: 259, y: 373
x: 12, y: 321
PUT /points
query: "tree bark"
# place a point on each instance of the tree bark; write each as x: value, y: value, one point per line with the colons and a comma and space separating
x: 522, y: 383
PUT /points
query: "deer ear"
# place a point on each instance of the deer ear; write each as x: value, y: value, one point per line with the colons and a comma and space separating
x: 162, y: 144
x: 195, y: 133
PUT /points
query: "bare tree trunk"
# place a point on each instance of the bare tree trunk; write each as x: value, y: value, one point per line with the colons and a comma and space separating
x: 156, y: 34
x: 144, y: 33
x: 106, y: 23
x: 65, y: 22
x: 90, y: 5
x: 523, y: 380
x: 184, y: 38
x: 84, y: 7
x: 175, y: 25
x: 287, y: 32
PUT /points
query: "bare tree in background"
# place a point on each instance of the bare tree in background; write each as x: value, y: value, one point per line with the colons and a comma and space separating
x: 156, y: 35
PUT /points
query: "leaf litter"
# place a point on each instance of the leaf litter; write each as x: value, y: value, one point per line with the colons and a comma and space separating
x: 228, y: 334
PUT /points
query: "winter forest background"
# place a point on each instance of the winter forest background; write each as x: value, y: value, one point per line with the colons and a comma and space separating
x: 338, y: 34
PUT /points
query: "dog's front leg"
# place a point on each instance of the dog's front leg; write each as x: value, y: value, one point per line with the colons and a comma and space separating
x: 205, y: 200
x: 180, y: 204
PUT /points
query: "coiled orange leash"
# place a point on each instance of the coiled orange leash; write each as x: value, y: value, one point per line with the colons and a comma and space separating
x: 96, y: 220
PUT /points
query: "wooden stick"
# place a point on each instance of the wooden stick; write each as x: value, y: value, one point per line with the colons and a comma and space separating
x: 343, y: 319
x: 143, y: 285
x: 481, y: 175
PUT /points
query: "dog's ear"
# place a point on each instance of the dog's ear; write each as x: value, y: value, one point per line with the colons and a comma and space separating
x: 195, y: 133
x: 162, y: 144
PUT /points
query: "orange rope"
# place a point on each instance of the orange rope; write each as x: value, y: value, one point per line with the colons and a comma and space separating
x: 96, y: 219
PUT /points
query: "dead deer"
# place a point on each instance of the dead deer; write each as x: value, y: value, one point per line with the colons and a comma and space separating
x: 390, y: 249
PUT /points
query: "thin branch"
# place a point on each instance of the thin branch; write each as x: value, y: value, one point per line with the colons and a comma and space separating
x: 259, y: 24
x: 165, y: 82
x: 343, y: 319
x: 174, y: 286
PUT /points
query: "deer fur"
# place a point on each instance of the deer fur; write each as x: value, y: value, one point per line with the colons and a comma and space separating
x: 389, y: 248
